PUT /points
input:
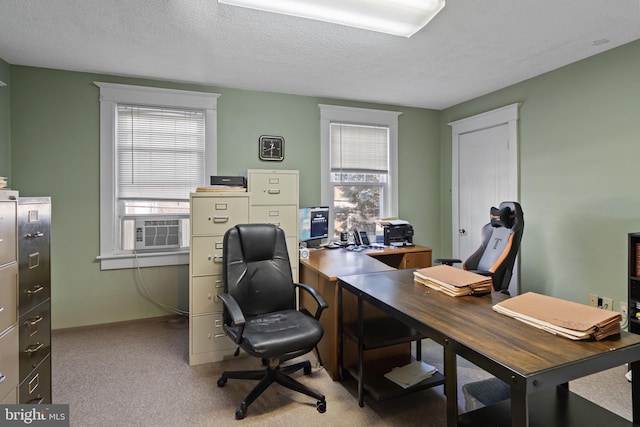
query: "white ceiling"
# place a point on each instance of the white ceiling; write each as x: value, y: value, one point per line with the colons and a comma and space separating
x: 471, y: 48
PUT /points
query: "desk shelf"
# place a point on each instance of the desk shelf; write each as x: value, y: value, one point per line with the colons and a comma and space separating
x: 380, y: 388
x: 382, y: 332
x: 379, y: 333
x: 556, y: 407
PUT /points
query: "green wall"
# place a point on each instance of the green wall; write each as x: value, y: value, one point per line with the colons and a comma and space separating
x: 55, y: 152
x: 579, y: 135
x: 5, y: 116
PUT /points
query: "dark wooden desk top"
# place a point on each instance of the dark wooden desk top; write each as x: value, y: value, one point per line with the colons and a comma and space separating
x: 332, y: 263
x: 514, y: 351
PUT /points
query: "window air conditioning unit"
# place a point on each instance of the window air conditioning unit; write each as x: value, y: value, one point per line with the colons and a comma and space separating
x: 157, y: 233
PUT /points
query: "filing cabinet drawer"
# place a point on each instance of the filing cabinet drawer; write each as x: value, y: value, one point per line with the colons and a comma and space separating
x: 33, y: 292
x: 36, y: 388
x: 273, y: 188
x: 11, y: 398
x: 8, y: 361
x: 208, y: 335
x: 217, y: 215
x: 204, y: 292
x: 284, y: 216
x: 8, y: 226
x: 35, y: 337
x: 8, y: 296
x: 206, y: 255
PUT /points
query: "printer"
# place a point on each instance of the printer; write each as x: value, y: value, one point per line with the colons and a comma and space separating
x: 398, y: 235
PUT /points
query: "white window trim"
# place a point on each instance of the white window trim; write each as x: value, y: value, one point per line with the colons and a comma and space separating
x: 110, y: 95
x: 360, y: 116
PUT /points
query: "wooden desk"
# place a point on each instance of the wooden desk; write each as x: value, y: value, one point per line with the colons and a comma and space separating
x: 537, y: 364
x: 322, y: 269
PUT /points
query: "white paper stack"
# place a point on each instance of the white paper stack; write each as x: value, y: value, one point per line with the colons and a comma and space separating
x: 411, y: 374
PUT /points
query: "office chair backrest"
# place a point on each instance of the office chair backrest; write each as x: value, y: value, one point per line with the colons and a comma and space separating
x: 500, y: 244
x: 256, y: 269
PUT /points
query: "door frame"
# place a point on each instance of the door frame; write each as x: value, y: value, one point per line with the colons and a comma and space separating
x: 505, y: 115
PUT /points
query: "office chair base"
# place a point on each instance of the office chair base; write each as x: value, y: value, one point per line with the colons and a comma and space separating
x: 266, y: 377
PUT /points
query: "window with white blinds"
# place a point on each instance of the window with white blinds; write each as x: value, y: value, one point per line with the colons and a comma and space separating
x: 160, y: 152
x: 156, y: 147
x: 359, y: 166
x: 359, y: 148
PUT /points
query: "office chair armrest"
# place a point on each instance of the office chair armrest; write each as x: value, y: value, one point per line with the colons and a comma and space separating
x: 447, y: 261
x: 235, y: 313
x: 322, y: 303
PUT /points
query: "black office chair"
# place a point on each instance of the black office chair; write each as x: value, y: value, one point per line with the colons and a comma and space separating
x: 500, y: 245
x: 260, y: 310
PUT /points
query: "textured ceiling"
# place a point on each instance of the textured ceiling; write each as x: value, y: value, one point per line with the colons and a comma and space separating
x: 471, y: 48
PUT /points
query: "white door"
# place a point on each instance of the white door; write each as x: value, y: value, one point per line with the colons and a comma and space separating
x: 485, y: 174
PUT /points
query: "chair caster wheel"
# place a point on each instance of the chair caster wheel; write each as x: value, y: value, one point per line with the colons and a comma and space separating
x: 241, y: 411
x: 222, y: 381
x: 321, y: 405
x: 307, y: 370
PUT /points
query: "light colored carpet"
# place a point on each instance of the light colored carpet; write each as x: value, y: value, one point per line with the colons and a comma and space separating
x: 137, y: 374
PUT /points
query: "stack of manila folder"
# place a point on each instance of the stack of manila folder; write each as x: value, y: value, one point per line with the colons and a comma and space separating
x: 560, y: 317
x: 453, y: 281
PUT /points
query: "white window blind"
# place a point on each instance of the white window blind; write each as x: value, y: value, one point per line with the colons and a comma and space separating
x: 358, y: 148
x: 160, y: 152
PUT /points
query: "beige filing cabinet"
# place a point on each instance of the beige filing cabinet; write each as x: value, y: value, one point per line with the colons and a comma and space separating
x: 272, y: 198
x: 9, y: 370
x: 212, y: 214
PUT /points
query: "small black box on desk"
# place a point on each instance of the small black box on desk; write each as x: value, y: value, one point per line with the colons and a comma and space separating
x: 232, y: 181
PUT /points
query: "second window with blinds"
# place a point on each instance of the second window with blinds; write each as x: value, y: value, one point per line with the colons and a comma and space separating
x: 359, y: 167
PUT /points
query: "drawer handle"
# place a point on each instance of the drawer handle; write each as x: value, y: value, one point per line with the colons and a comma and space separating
x: 219, y: 335
x: 1, y: 309
x: 36, y: 401
x: 273, y: 191
x: 2, y: 377
x: 220, y: 219
x: 217, y: 259
x: 277, y: 224
x: 34, y: 235
x: 219, y: 284
x: 34, y: 290
x: 33, y: 321
x: 33, y: 348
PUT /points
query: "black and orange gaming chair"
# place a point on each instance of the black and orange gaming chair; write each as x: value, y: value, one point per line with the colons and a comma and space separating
x: 496, y: 255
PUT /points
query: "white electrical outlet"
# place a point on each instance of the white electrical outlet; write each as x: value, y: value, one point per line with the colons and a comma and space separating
x: 607, y: 303
x: 593, y: 300
x: 623, y: 310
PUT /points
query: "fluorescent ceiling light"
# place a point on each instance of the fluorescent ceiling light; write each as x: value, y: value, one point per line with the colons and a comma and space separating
x: 397, y: 17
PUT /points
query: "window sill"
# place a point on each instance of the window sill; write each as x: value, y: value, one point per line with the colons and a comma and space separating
x: 154, y: 259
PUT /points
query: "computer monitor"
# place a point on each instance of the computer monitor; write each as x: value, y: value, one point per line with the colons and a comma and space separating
x: 314, y: 225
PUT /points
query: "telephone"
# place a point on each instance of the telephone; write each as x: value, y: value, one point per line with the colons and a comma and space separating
x: 360, y: 237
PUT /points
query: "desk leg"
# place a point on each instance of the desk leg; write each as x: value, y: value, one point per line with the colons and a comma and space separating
x: 451, y: 384
x: 360, y: 353
x: 519, y: 408
x: 635, y: 391
x: 340, y: 336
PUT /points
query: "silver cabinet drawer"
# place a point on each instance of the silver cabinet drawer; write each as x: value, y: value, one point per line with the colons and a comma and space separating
x: 8, y: 228
x: 35, y: 337
x: 8, y: 361
x: 204, y: 292
x: 8, y: 296
x: 35, y: 389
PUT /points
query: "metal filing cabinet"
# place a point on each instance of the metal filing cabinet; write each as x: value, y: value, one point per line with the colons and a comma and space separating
x: 8, y: 298
x: 212, y: 214
x: 34, y: 263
